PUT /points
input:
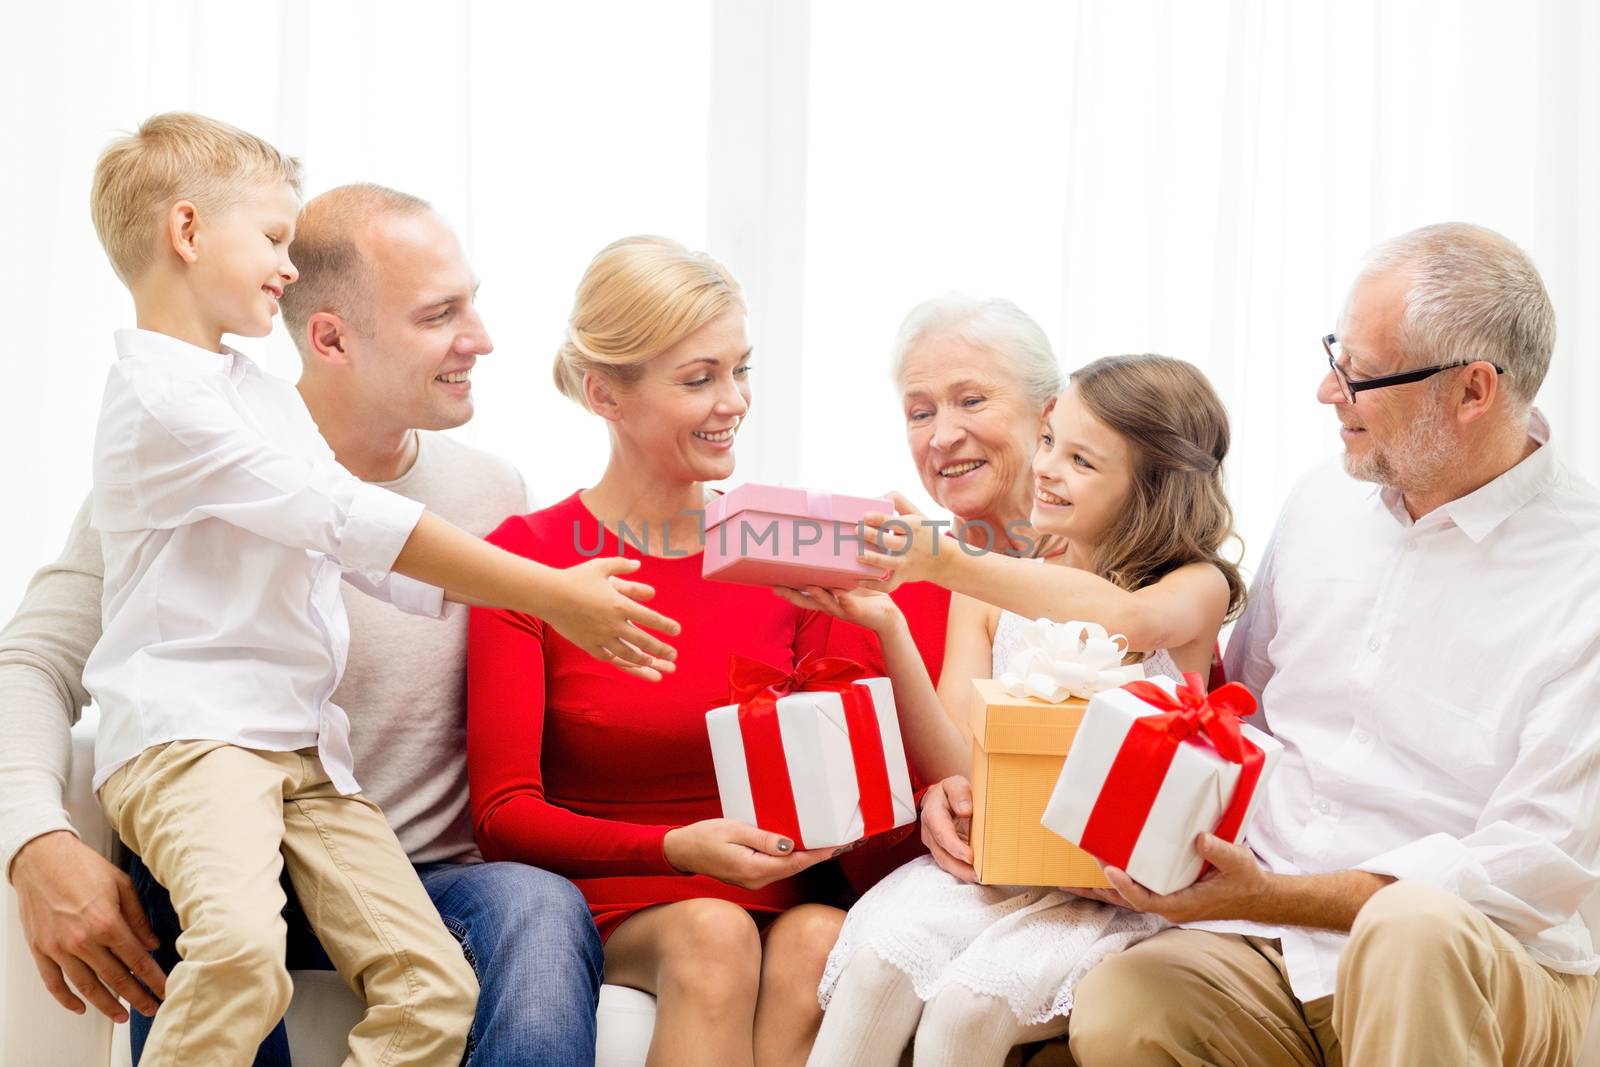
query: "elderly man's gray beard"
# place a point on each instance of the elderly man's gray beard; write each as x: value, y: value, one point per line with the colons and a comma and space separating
x: 1416, y: 462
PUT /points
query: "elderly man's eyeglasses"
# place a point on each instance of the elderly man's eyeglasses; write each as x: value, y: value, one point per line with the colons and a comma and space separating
x: 1350, y: 386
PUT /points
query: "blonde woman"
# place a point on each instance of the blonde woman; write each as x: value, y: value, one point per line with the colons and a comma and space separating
x: 608, y: 780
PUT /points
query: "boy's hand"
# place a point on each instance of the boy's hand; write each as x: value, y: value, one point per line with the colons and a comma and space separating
x: 85, y: 928
x: 603, y: 613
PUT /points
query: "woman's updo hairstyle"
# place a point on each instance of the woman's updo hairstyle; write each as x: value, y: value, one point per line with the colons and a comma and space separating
x: 638, y: 298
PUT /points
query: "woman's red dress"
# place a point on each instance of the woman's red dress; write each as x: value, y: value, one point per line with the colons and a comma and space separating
x: 580, y: 769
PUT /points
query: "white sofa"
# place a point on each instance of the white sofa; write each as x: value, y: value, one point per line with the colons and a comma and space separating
x: 36, y: 1032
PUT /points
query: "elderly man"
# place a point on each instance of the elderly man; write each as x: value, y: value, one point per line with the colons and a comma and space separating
x: 384, y: 320
x: 1427, y: 648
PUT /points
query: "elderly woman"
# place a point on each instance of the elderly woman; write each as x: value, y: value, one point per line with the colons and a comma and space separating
x: 974, y: 376
x: 608, y: 779
x: 1128, y: 476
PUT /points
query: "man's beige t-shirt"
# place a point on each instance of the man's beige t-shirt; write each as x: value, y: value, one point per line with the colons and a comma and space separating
x: 405, y: 686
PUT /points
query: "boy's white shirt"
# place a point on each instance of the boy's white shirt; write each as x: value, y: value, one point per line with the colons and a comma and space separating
x: 404, y: 687
x: 226, y: 526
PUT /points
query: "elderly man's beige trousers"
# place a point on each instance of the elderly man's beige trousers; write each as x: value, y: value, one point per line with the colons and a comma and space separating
x: 1425, y: 980
x: 215, y: 824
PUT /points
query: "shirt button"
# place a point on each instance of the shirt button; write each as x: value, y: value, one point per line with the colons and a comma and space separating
x: 1321, y: 805
x: 1374, y: 644
x: 1362, y: 737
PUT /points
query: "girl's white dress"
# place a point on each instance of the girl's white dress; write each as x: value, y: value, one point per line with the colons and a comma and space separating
x: 1026, y: 945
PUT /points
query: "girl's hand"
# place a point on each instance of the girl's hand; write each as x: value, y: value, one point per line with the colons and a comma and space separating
x: 736, y: 853
x: 907, y: 544
x: 947, y: 826
x: 864, y: 607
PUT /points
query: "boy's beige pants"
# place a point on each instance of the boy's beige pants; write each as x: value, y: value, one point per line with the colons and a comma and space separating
x: 1426, y: 980
x: 216, y: 824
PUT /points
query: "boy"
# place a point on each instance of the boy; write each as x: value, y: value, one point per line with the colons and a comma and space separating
x: 226, y: 525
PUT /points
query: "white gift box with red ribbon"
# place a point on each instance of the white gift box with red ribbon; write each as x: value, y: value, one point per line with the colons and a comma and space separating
x: 1154, y: 764
x: 814, y: 754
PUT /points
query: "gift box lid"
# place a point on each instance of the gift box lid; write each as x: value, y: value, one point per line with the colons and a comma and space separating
x: 1004, y: 723
x: 793, y: 500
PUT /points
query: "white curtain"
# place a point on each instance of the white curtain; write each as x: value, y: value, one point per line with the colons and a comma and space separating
x: 1194, y: 178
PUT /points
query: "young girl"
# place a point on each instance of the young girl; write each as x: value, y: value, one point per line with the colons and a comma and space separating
x: 1128, y: 477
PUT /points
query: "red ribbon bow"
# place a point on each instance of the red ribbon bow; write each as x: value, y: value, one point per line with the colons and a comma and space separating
x: 748, y: 678
x: 1130, y: 788
x: 1191, y: 710
x: 756, y: 687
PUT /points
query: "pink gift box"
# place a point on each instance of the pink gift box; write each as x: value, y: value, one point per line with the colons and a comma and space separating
x: 781, y: 535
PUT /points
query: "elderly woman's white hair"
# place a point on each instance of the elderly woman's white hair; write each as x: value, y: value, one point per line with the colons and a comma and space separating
x: 990, y: 323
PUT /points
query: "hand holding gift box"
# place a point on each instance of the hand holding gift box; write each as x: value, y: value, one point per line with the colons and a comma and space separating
x: 779, y: 535
x: 1154, y: 764
x: 814, y: 754
x: 1023, y: 723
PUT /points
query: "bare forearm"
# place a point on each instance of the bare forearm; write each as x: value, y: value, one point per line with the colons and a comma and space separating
x: 1058, y: 593
x: 472, y: 571
x: 1239, y: 888
x: 1321, y: 901
x: 934, y: 743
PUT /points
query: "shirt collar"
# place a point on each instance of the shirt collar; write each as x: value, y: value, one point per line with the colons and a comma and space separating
x: 148, y: 343
x: 1480, y: 511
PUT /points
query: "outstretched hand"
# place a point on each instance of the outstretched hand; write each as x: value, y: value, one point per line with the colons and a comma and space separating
x: 864, y: 607
x: 906, y: 544
x: 603, y: 614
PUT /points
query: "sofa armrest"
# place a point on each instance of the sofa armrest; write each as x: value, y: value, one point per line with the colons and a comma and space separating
x: 34, y: 1029
x: 83, y: 808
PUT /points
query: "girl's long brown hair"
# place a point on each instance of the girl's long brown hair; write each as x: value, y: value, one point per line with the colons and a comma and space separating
x: 1177, y: 512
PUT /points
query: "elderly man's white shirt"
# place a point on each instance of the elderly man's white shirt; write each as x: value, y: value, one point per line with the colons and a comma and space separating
x: 226, y: 525
x: 1436, y: 688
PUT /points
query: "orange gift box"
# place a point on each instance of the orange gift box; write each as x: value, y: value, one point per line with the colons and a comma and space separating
x: 1019, y: 744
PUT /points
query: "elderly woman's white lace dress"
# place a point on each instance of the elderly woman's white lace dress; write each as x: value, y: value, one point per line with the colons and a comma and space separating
x: 1028, y: 946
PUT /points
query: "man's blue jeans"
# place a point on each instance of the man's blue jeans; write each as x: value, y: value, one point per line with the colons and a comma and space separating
x: 526, y: 932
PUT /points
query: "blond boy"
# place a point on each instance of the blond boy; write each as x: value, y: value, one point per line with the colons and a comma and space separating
x: 226, y: 527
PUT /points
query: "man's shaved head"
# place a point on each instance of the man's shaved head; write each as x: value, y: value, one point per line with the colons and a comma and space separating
x: 335, y: 274
x: 384, y: 313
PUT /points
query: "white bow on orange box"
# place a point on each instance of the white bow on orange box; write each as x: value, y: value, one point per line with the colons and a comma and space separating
x: 1060, y: 660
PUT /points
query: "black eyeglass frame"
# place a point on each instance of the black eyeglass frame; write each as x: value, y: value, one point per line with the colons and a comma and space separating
x: 1352, y: 386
